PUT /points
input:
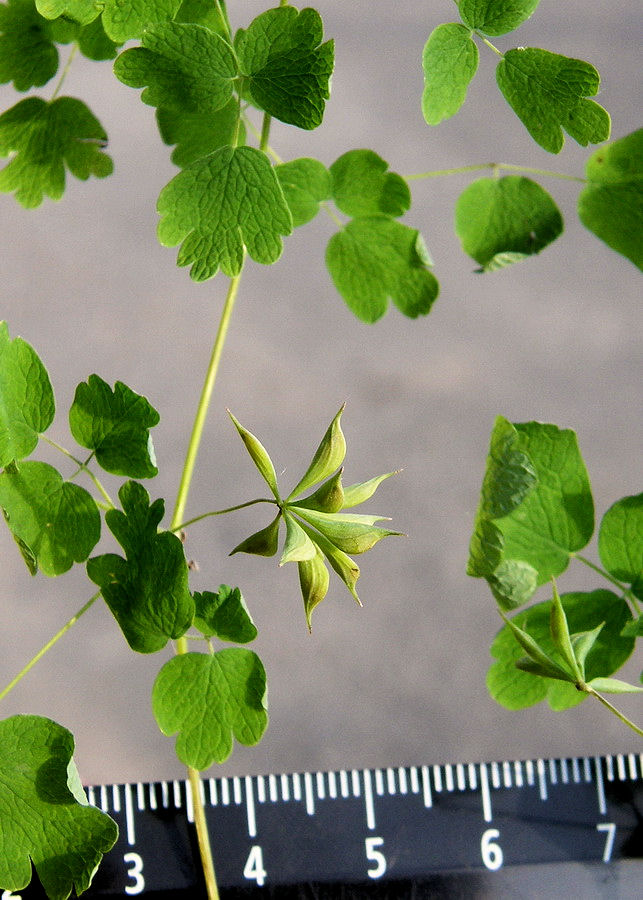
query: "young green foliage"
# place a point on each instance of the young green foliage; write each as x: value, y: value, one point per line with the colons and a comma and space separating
x: 620, y: 542
x: 81, y: 11
x: 503, y: 220
x: 186, y: 67
x: 548, y: 92
x: 199, y: 134
x: 221, y: 205
x: 115, y: 425
x: 45, y: 138
x: 535, y: 510
x: 209, y: 699
x: 125, y: 21
x: 316, y: 529
x: 44, y: 815
x: 611, y: 204
x: 287, y: 67
x: 496, y: 16
x: 147, y: 592
x: 224, y: 615
x: 449, y: 62
x: 306, y: 184
x: 363, y: 186
x: 28, y: 53
x: 601, y: 610
x: 56, y: 523
x: 26, y: 398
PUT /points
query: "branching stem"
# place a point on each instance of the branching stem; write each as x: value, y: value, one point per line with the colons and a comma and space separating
x: 221, y: 512
x: 510, y: 167
x: 32, y: 662
x: 616, y: 711
x: 61, y: 80
x: 624, y: 590
x: 82, y: 467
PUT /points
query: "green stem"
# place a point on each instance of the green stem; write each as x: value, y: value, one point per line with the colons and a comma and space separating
x: 462, y: 170
x: 624, y: 590
x: 204, y: 402
x: 82, y: 467
x: 489, y: 44
x: 49, y: 645
x: 70, y: 59
x: 221, y: 512
x: 616, y: 711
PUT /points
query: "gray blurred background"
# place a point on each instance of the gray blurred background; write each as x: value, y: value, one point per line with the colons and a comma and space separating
x: 556, y: 338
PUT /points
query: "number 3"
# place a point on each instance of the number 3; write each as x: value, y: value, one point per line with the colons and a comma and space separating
x: 135, y: 872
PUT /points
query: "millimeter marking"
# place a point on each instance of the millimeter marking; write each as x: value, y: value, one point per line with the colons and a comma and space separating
x: 368, y: 800
x: 250, y: 807
x: 600, y: 787
x: 542, y: 783
x: 484, y: 790
x: 129, y: 816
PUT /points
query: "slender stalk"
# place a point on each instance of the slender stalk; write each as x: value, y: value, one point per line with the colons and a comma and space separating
x: 616, y: 711
x: 490, y: 45
x: 82, y: 467
x: 624, y: 590
x: 32, y: 662
x: 510, y: 167
x: 70, y: 59
x: 221, y: 512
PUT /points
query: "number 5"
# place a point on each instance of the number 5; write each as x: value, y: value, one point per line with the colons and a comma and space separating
x: 375, y: 856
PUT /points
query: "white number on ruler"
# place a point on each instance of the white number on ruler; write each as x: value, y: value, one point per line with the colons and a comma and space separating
x: 135, y: 872
x: 7, y: 895
x: 254, y: 869
x: 610, y: 833
x: 375, y: 856
x: 491, y: 852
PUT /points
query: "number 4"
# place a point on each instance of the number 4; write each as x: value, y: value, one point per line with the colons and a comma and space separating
x: 254, y: 869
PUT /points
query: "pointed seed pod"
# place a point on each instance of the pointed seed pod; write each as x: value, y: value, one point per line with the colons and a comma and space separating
x: 259, y: 456
x: 328, y: 457
x: 261, y: 543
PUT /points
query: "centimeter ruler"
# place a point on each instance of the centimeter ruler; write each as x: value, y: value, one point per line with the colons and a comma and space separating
x: 372, y: 825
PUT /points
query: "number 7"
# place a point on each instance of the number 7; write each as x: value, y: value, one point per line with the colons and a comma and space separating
x: 610, y: 832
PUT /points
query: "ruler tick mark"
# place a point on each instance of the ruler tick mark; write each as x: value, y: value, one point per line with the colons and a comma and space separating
x: 448, y: 777
x: 542, y: 781
x: 460, y: 777
x: 332, y: 786
x: 236, y: 789
x: 321, y: 789
x: 495, y: 775
x: 189, y: 807
x: 415, y: 781
x: 285, y: 789
x: 308, y: 788
x: 437, y: 778
x: 379, y: 782
x: 357, y: 790
x: 484, y: 791
x: 401, y: 777
x: 600, y: 786
x: 250, y: 808
x: 272, y: 789
x: 129, y: 816
x: 116, y: 799
x: 165, y: 794
x: 473, y: 777
x: 214, y: 798
x: 343, y: 783
x: 152, y: 793
x: 426, y: 788
x: 140, y: 796
x: 518, y: 774
x: 368, y: 800
x: 296, y: 786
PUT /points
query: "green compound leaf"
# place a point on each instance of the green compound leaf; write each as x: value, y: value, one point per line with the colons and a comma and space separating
x: 125, y: 21
x: 496, y: 16
x: 81, y: 11
x: 288, y: 71
x: 515, y: 689
x: 198, y: 134
x: 115, y: 424
x: 221, y: 204
x: 28, y: 54
x: 374, y: 258
x: 210, y: 699
x: 362, y: 186
x: 44, y: 814
x: 620, y: 539
x: 186, y: 67
x: 498, y: 219
x: 57, y: 522
x: 94, y: 43
x: 147, y: 592
x: 611, y: 205
x: 548, y: 94
x: 449, y: 61
x: 26, y: 398
x: 45, y: 138
x: 204, y: 12
x: 536, y: 508
x: 306, y: 184
x: 224, y: 615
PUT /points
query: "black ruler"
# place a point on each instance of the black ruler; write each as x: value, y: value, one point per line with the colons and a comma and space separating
x: 418, y: 825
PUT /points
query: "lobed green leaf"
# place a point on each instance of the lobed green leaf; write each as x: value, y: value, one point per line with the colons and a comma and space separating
x: 55, y: 521
x: 46, y: 137
x: 611, y: 204
x: 548, y: 92
x: 515, y: 689
x: 502, y: 220
x: 198, y: 134
x: 44, y: 814
x: 147, y: 592
x: 126, y: 21
x: 28, y: 53
x: 182, y: 66
x: 374, y: 258
x: 287, y: 66
x: 81, y: 11
x: 224, y: 615
x: 449, y: 62
x: 94, y: 43
x: 26, y: 398
x: 306, y: 183
x: 620, y: 539
x: 115, y: 424
x: 209, y: 699
x: 220, y: 205
x: 363, y: 186
x: 535, y: 510
x: 496, y: 16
